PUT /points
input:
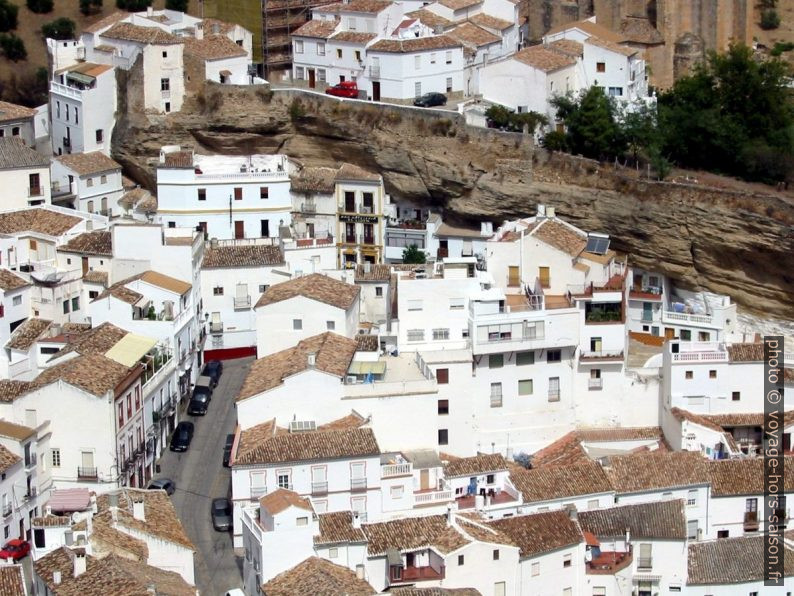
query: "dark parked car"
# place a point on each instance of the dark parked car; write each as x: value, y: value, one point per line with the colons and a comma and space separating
x: 15, y: 549
x: 165, y: 484
x: 198, y: 404
x: 182, y: 436
x: 428, y: 100
x: 213, y: 369
x: 227, y: 450
x: 221, y: 514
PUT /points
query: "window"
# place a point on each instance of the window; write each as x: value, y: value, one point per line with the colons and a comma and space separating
x: 263, y: 288
x: 418, y: 89
x: 264, y: 228
x: 712, y: 374
x: 736, y: 396
x: 496, y: 395
x: 524, y: 358
x: 202, y: 194
x: 554, y: 388
x: 379, y: 292
x: 496, y: 360
x: 333, y: 553
x: 299, y: 73
x: 17, y: 300
x: 217, y: 291
x: 449, y: 84
x: 417, y: 61
x: 448, y: 58
x: 282, y: 479
x: 76, y: 115
x: 443, y: 436
x: 461, y: 560
x: 615, y: 91
x: 165, y: 84
x: 535, y: 569
x: 601, y: 67
x: 75, y: 303
x: 688, y: 374
x: 525, y: 387
x: 443, y: 407
x: 686, y: 334
x: 553, y: 356
x: 89, y: 182
x: 692, y: 529
x: 358, y: 55
x: 490, y: 478
x: 330, y: 325
x: 416, y: 335
x: 168, y: 106
x: 298, y: 46
x: 103, y: 179
x: 66, y: 307
x: 55, y: 458
x: 238, y: 193
x: 321, y: 49
x: 297, y: 324
x: 692, y: 498
x: 302, y: 521
x: 414, y: 305
x: 440, y: 334
x: 442, y: 376
x: 57, y: 109
x: 99, y: 135
x: 339, y: 53
x: 496, y: 554
x: 566, y: 560
x: 396, y: 492
x: 723, y: 533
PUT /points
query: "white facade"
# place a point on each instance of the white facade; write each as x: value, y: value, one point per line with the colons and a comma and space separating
x: 96, y: 192
x: 25, y: 186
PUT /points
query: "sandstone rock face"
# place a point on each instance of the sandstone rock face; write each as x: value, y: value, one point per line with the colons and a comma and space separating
x: 734, y: 243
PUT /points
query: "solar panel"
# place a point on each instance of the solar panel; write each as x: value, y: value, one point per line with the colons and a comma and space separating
x: 598, y: 245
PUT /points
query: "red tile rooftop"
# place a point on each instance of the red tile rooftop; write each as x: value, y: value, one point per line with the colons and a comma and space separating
x: 608, y: 563
x: 496, y: 499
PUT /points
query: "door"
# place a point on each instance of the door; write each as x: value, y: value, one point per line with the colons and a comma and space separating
x: 424, y: 479
x: 512, y: 275
x: 499, y: 589
x: 669, y: 333
x: 786, y: 442
x: 239, y: 230
x: 85, y: 265
x: 545, y: 277
x: 375, y: 90
x: 647, y: 311
x: 312, y: 79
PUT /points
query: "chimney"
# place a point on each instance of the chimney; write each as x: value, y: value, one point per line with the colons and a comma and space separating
x: 541, y: 210
x: 214, y: 242
x: 356, y: 520
x: 56, y: 578
x: 573, y: 514
x: 551, y: 212
x: 94, y: 508
x: 449, y: 514
x: 628, y: 536
x: 216, y: 29
x: 68, y: 538
x: 79, y: 562
x: 113, y: 505
x: 360, y: 571
x: 311, y: 359
x: 149, y: 11
x: 139, y: 509
x: 367, y: 267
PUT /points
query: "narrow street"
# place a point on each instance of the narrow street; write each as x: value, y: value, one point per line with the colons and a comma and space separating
x: 200, y: 477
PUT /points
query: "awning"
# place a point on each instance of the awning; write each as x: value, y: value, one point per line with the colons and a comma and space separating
x: 365, y: 368
x: 69, y: 499
x: 646, y: 578
x: 130, y: 349
x: 80, y: 78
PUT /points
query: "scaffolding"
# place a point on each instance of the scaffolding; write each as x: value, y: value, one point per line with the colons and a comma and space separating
x: 279, y: 19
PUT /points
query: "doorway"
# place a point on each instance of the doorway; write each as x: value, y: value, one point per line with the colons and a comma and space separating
x: 512, y: 275
x: 239, y: 230
x: 424, y: 479
x: 669, y: 333
x: 312, y: 80
x: 375, y: 90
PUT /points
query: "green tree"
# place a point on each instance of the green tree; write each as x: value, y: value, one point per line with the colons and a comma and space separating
x: 61, y: 28
x: 13, y: 47
x: 180, y: 5
x: 40, y: 6
x: 413, y: 256
x: 88, y: 7
x: 591, y: 125
x: 133, y: 5
x: 770, y: 19
x: 8, y: 15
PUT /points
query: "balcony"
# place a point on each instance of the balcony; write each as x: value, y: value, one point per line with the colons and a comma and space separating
x: 7, y: 509
x: 603, y: 313
x: 645, y: 293
x: 258, y: 491
x: 32, y: 493
x: 242, y: 302
x: 595, y: 384
x: 608, y: 563
x: 369, y: 240
x: 416, y: 574
x: 602, y: 356
x: 358, y: 484
x: 319, y: 488
x: 699, y: 352
x: 494, y: 497
x: 30, y: 462
x: 87, y: 474
x: 216, y: 327
x: 394, y: 470
x: 310, y: 208
x: 432, y: 497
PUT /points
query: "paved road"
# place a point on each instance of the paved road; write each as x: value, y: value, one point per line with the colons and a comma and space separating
x: 200, y: 477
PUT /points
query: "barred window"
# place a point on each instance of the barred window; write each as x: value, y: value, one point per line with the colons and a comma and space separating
x: 416, y: 335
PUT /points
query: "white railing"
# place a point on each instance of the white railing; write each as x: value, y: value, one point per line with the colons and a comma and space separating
x: 391, y: 470
x: 436, y: 496
x: 252, y: 525
x: 594, y: 384
x: 687, y: 318
x: 258, y: 491
x: 244, y: 176
x: 512, y: 491
x: 601, y: 355
x: 241, y: 302
x: 701, y: 357
x: 66, y: 90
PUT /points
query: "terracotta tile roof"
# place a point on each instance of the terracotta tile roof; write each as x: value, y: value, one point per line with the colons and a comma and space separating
x: 367, y: 343
x: 746, y: 352
x: 52, y: 521
x: 281, y: 499
x: 316, y: 287
x: 560, y: 236
x: 629, y: 433
x: 138, y: 198
x: 11, y: 281
x: 179, y: 159
x: 42, y: 221
x: 15, y: 431
x: 333, y: 355
x: 543, y: 58
x: 413, y: 533
x: 639, y: 30
x: 105, y: 538
x: 97, y: 340
x: 92, y: 373
x: 352, y: 420
x: 611, y: 46
x: 256, y: 255
x: 84, y: 164
x: 660, y: 520
x: 107, y: 21
x: 353, y: 37
x: 559, y: 482
x: 311, y: 179
x: 539, y: 533
x: 12, y: 580
x: 166, y: 282
x: 376, y: 273
x: 7, y: 459
x: 137, y: 34
x: 414, y: 591
x: 470, y: 34
x: 738, y: 477
x: 161, y: 518
x: 564, y: 451
x: 446, y: 229
x: 362, y: 6
x: 12, y: 111
x: 458, y: 4
x: 120, y: 291
x: 430, y: 19
x: 478, y: 464
x: 587, y: 27
x: 317, y: 576
x: 319, y: 28
x: 568, y: 46
x: 737, y: 419
x: 338, y: 527
x: 681, y: 415
x: 788, y: 375
x: 89, y: 69
x: 27, y: 333
x: 213, y: 47
x: 656, y: 470
x: 348, y: 171
x: 96, y: 277
x: 10, y: 390
x: 311, y: 446
x: 731, y: 561
x: 15, y: 154
x: 479, y: 530
x: 490, y: 22
x: 210, y: 25
x: 414, y: 44
x: 98, y: 242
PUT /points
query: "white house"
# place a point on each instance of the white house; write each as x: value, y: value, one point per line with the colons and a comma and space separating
x: 314, y: 206
x: 15, y: 309
x: 24, y: 173
x: 360, y: 205
x: 17, y: 121
x: 225, y: 196
x: 88, y: 182
x: 221, y: 59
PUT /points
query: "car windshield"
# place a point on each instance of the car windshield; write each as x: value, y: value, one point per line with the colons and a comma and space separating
x: 221, y: 507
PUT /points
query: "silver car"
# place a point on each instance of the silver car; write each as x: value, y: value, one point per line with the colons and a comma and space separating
x: 221, y: 514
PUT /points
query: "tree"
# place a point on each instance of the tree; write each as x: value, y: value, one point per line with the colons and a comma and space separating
x: 133, y: 5
x: 40, y: 6
x: 8, y: 15
x: 770, y: 19
x: 61, y: 28
x: 413, y: 256
x: 591, y: 126
x: 179, y: 5
x: 88, y: 7
x: 13, y: 47
x: 503, y: 118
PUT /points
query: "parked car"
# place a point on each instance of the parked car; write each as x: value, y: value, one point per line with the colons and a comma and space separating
x: 199, y: 404
x: 15, y: 549
x: 203, y: 384
x: 183, y: 435
x: 221, y: 514
x: 165, y: 484
x: 213, y: 369
x: 227, y: 450
x: 344, y: 89
x: 428, y: 100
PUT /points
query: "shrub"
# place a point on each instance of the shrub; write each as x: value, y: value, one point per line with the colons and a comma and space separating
x: 264, y: 92
x: 781, y: 47
x: 296, y: 110
x: 770, y: 19
x: 179, y: 5
x: 40, y: 6
x: 88, y: 7
x: 441, y: 127
x: 133, y: 5
x: 13, y: 47
x: 413, y: 256
x: 555, y: 141
x: 62, y: 28
x: 8, y: 15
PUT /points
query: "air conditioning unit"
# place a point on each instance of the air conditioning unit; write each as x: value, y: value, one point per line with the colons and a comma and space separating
x: 351, y: 380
